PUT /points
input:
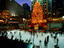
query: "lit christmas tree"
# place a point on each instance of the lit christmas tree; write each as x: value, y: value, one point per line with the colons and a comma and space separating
x: 37, y: 13
x: 37, y: 16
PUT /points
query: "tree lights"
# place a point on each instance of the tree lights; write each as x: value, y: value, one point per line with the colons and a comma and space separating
x: 37, y: 13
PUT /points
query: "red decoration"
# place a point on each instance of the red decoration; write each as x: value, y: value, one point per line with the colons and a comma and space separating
x: 42, y: 31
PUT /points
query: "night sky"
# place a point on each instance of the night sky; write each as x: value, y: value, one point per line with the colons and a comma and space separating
x: 21, y: 2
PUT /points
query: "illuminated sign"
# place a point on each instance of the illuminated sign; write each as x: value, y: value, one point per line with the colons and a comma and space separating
x: 56, y: 25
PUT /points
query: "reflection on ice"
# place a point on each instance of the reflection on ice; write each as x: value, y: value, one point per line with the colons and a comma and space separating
x: 36, y: 39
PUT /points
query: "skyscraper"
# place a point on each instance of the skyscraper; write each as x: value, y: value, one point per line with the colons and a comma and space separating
x: 54, y: 8
x: 14, y: 8
x: 57, y: 8
x: 2, y: 4
x: 45, y: 8
x: 49, y: 8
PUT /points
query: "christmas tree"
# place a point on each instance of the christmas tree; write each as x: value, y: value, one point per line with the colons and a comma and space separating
x: 37, y: 13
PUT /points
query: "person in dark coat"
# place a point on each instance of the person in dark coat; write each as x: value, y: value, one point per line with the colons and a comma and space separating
x: 47, y: 38
x: 45, y: 42
x: 56, y: 46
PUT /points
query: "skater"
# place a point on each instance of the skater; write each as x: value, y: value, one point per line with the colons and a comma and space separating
x: 57, y: 41
x: 56, y: 46
x: 45, y: 42
x: 47, y: 38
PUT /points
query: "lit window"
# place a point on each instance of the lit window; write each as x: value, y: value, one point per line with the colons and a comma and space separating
x: 53, y: 13
x: 10, y: 0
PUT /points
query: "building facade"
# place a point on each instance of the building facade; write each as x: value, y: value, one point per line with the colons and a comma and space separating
x: 49, y: 8
x: 14, y: 8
